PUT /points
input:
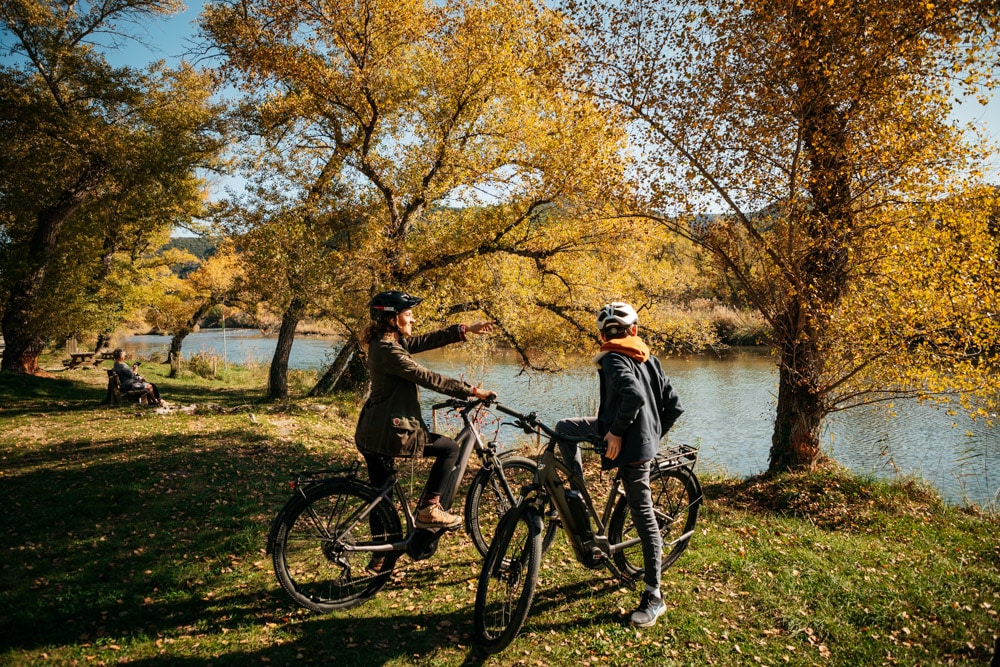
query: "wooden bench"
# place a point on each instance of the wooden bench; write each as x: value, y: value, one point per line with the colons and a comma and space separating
x: 116, y: 395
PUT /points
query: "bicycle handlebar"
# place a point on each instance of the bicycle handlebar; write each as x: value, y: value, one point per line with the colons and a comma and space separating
x: 529, y: 423
x: 459, y: 403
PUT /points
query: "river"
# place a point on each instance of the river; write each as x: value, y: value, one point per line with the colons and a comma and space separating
x: 729, y: 410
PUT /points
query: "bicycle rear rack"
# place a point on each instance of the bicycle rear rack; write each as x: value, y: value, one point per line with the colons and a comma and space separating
x: 680, y: 455
x: 307, y: 477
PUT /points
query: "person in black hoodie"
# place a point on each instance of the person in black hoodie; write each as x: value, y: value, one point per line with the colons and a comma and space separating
x: 637, y: 408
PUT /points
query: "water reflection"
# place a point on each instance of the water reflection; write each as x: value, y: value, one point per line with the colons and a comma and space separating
x: 729, y: 407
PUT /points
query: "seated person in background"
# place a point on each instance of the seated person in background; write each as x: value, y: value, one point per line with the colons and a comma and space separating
x: 130, y: 380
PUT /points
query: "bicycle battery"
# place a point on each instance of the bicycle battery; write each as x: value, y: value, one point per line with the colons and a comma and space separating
x: 578, y: 512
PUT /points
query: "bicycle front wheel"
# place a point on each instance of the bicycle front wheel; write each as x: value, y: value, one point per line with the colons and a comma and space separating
x: 676, y: 499
x: 508, y: 578
x: 314, y: 541
x: 488, y: 500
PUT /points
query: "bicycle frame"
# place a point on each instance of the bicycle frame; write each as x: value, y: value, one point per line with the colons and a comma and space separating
x: 469, y: 440
x: 548, y: 486
x: 597, y: 552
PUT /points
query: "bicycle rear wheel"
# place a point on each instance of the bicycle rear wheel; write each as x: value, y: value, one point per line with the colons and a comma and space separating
x: 311, y: 540
x: 488, y: 500
x: 508, y: 578
x: 676, y: 499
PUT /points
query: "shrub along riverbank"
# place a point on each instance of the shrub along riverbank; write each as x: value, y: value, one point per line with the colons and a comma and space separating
x: 133, y: 535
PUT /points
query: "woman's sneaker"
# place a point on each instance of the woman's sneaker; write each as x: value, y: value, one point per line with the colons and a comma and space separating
x: 435, y: 517
x: 651, y: 607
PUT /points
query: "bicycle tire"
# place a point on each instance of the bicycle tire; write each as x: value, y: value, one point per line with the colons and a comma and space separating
x: 308, y: 557
x: 676, y: 499
x: 508, y: 579
x: 487, y: 502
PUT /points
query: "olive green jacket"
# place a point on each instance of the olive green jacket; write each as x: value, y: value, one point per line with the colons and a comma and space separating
x: 390, y: 421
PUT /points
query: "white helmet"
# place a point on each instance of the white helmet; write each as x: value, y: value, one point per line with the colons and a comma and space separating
x: 616, y: 317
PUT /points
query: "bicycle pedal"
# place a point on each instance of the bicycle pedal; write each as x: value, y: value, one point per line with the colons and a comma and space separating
x: 376, y: 563
x: 596, y: 559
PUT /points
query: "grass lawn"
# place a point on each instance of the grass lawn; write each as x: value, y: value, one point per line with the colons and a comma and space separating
x: 137, y: 536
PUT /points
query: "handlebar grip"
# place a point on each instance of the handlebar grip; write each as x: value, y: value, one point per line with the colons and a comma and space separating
x: 455, y: 403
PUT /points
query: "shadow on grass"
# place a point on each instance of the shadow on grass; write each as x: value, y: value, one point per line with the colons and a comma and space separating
x: 23, y: 395
x: 336, y: 640
x: 149, y: 540
x: 133, y: 536
x: 27, y: 394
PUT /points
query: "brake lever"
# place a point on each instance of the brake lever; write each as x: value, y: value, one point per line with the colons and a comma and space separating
x: 529, y: 422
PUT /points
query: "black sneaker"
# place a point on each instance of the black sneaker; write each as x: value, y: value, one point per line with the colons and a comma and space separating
x: 651, y: 607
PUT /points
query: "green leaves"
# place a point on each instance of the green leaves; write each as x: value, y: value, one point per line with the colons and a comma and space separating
x: 95, y: 161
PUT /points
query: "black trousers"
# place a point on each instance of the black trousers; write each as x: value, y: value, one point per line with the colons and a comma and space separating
x: 442, y: 449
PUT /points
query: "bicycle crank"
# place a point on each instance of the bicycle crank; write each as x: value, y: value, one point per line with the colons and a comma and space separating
x: 423, y: 543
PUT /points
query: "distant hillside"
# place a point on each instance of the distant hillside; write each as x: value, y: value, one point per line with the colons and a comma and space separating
x: 199, y: 246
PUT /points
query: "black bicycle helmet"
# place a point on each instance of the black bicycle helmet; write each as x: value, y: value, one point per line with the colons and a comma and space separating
x: 391, y: 303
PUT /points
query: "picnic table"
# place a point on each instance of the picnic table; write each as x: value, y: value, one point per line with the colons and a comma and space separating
x: 76, y: 357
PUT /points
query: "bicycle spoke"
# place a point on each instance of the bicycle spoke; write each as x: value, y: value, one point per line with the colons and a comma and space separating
x: 488, y: 500
x: 676, y: 497
x: 315, y: 556
x: 508, y: 578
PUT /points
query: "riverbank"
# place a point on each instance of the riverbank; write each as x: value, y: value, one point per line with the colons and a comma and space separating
x: 729, y: 407
x: 137, y: 536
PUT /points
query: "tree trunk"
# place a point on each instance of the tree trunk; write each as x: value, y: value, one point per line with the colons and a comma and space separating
x: 23, y: 334
x: 21, y: 351
x: 347, y: 372
x: 174, y: 356
x: 822, y: 269
x: 277, y: 385
x: 795, y: 442
x: 103, y: 339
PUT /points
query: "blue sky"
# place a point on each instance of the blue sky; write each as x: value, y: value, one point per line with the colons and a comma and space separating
x: 166, y: 38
